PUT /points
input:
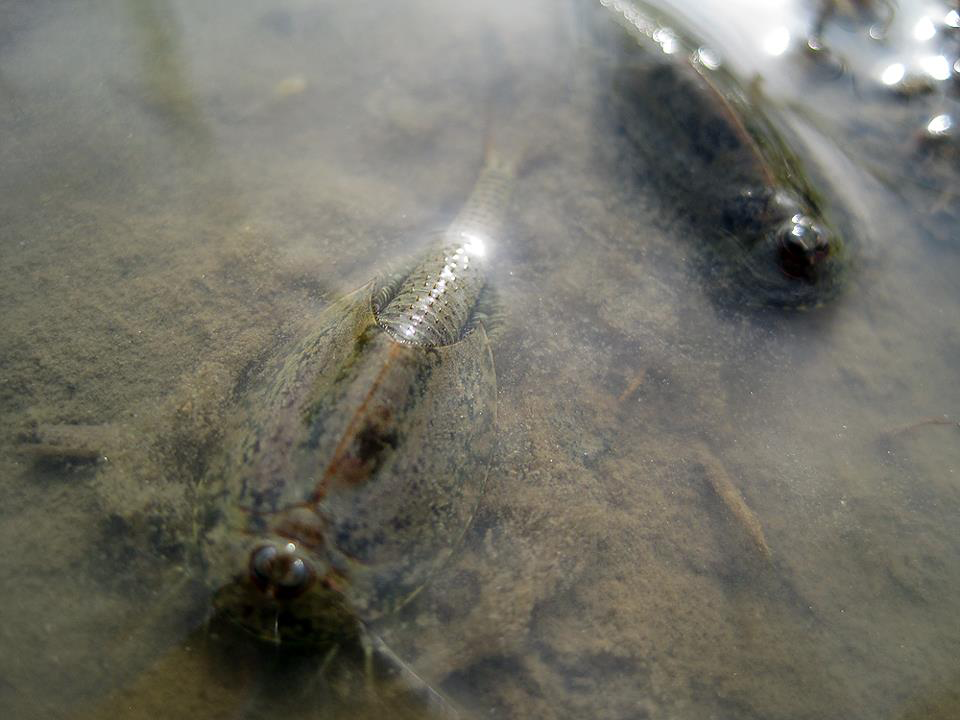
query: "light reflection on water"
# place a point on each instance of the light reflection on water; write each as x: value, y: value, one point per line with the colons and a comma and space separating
x: 182, y: 184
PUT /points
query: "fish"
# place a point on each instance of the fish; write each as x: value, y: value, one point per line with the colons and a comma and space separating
x: 710, y: 145
x: 356, y: 465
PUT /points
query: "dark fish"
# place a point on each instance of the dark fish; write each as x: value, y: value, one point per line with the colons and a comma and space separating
x: 707, y: 142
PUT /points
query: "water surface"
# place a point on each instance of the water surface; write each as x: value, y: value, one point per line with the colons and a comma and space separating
x: 182, y: 184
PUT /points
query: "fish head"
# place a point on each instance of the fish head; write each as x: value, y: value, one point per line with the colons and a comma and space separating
x: 783, y: 230
x: 794, y: 258
x: 285, y: 592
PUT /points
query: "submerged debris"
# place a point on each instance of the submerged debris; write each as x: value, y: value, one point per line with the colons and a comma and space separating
x: 62, y: 443
x: 718, y: 479
x: 67, y: 444
x: 904, y: 429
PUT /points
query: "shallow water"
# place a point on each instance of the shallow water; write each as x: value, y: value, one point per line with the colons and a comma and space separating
x: 181, y: 185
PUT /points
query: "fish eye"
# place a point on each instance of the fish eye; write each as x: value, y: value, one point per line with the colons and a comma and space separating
x: 802, y: 245
x: 261, y: 564
x: 282, y: 572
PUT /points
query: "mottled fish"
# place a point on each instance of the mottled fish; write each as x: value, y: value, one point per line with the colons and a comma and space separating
x: 356, y: 467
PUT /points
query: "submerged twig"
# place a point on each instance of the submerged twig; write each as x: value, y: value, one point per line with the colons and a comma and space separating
x: 633, y: 385
x: 437, y: 705
x: 943, y: 420
x: 718, y: 478
x: 64, y: 443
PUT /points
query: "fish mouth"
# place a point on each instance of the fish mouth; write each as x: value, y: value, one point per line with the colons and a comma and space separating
x: 279, y: 592
x: 805, y: 267
x: 318, y: 617
x: 769, y: 277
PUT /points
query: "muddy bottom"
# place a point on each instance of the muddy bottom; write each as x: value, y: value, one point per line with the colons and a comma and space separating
x: 695, y: 509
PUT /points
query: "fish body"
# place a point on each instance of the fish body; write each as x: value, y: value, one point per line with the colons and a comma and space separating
x: 434, y: 303
x: 706, y: 141
x: 358, y: 462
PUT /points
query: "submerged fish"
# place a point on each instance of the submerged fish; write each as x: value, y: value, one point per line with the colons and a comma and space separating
x: 358, y: 464
x: 707, y: 142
